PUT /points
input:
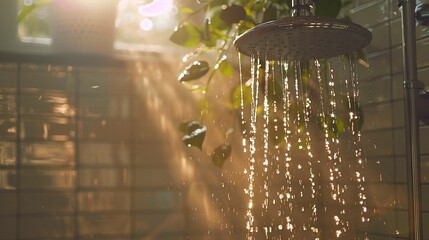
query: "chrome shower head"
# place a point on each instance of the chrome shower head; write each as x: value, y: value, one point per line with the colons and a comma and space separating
x: 303, y: 38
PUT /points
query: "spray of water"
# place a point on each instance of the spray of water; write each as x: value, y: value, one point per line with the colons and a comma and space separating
x: 298, y: 171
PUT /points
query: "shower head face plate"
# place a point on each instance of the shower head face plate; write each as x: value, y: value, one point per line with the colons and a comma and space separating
x: 303, y: 38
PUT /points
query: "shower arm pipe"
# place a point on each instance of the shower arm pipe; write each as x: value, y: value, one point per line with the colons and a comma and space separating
x: 302, y: 8
x: 415, y: 100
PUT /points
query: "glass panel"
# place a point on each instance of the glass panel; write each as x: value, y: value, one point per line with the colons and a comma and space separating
x: 58, y: 202
x: 104, y: 201
x: 102, y: 224
x: 48, y: 153
x: 104, y: 154
x: 104, y: 177
x: 161, y: 200
x: 36, y: 25
x: 50, y: 179
x: 45, y: 227
x: 7, y: 179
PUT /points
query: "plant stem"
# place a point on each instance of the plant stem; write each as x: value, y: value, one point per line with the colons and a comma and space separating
x: 226, y: 44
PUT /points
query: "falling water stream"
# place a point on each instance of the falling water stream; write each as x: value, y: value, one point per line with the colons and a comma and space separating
x: 302, y: 134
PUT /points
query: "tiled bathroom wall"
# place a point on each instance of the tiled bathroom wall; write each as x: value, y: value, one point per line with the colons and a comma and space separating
x: 382, y: 100
x: 80, y: 157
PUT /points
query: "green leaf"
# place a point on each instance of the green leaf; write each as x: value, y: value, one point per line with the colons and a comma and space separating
x: 233, y: 14
x: 208, y: 39
x: 196, y: 138
x: 186, y: 35
x: 221, y: 154
x: 219, y: 35
x: 216, y: 22
x: 244, y: 26
x: 339, y: 126
x: 186, y: 10
x: 270, y: 14
x: 225, y: 67
x: 329, y: 8
x: 256, y: 7
x: 212, y: 31
x: 194, y: 71
x: 194, y: 134
x: 215, y: 3
x: 189, y: 126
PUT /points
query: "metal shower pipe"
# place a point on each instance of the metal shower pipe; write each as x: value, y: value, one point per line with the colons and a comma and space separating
x: 414, y: 101
x: 302, y: 8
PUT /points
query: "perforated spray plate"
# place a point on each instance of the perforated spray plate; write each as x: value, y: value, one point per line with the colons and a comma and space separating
x: 303, y: 38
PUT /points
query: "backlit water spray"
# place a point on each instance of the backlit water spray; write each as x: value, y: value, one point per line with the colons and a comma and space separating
x: 301, y: 130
